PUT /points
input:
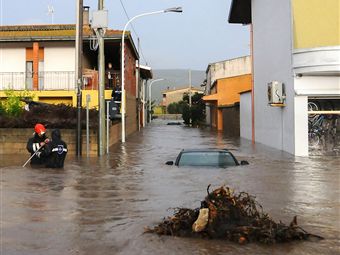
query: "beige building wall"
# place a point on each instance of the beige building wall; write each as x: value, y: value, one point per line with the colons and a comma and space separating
x: 228, y: 68
x: 173, y: 96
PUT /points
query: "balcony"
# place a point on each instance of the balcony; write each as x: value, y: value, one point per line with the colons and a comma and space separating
x: 56, y: 80
x: 46, y: 81
x: 317, y: 61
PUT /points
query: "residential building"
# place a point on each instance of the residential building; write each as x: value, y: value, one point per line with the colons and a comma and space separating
x: 176, y: 95
x: 296, y: 47
x: 41, y: 59
x: 145, y: 75
x: 226, y: 80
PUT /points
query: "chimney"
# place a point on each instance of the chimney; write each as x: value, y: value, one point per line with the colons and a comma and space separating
x: 86, y: 15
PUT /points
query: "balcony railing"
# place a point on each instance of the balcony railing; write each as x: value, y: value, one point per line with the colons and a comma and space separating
x: 11, y: 80
x: 56, y: 80
x: 46, y: 80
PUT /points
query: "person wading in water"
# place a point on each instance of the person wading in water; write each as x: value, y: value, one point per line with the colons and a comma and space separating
x: 56, y: 151
x: 36, y: 144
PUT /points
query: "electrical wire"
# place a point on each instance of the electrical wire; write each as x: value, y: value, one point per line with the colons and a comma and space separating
x: 94, y: 41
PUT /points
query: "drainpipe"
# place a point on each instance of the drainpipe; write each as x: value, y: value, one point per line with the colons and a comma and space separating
x: 252, y: 85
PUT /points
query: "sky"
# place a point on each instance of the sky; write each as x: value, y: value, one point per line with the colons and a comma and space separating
x: 189, y: 40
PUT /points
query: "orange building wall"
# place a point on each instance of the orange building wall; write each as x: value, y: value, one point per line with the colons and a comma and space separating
x: 228, y: 89
x: 219, y: 119
x: 29, y: 54
x: 213, y: 115
x: 227, y: 94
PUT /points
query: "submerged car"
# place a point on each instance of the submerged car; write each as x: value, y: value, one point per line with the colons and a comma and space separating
x: 206, y: 157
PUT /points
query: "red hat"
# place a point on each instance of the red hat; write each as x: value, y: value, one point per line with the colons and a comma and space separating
x: 39, y: 129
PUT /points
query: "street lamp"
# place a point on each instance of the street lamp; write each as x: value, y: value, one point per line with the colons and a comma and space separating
x: 175, y: 9
x: 150, y: 96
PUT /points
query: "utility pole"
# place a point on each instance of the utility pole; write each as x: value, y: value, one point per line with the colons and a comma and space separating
x: 190, y: 93
x: 101, y: 88
x: 78, y: 70
x: 190, y: 87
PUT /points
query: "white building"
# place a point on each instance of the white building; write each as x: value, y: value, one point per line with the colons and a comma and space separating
x: 297, y: 43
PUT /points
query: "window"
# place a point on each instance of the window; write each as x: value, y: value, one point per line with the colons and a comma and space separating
x: 29, y: 75
x: 213, y: 158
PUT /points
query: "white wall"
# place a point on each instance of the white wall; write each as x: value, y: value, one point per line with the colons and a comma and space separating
x: 245, y: 116
x: 12, y: 59
x: 317, y: 85
x: 59, y: 58
x: 301, y: 126
x: 272, y: 61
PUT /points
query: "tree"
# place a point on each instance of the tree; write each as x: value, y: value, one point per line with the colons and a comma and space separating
x: 197, y: 110
x: 173, y: 108
x: 176, y: 107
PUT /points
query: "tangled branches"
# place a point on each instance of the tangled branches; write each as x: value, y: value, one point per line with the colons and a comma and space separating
x: 235, y: 217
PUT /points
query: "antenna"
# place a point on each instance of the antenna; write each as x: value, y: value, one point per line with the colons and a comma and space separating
x: 50, y: 12
x: 1, y: 12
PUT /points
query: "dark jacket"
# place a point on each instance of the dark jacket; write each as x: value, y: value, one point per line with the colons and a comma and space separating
x: 33, y: 144
x: 56, y: 151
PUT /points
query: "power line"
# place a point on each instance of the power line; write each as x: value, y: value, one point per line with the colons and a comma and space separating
x: 133, y: 28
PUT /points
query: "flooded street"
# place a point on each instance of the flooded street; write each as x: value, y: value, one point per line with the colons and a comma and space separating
x: 102, y: 206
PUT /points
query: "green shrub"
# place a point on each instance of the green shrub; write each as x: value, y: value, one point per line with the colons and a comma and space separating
x: 172, y: 108
x: 12, y: 105
x: 2, y: 109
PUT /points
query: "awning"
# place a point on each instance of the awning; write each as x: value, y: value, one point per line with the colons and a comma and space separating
x: 212, y: 97
x: 240, y: 12
x: 145, y: 72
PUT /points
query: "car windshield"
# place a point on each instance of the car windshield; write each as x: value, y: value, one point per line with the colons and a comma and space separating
x: 207, y: 158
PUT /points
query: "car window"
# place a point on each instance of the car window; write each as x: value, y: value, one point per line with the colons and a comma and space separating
x: 209, y: 158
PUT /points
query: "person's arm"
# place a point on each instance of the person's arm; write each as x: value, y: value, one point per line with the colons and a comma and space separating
x: 32, y: 147
x: 47, y: 150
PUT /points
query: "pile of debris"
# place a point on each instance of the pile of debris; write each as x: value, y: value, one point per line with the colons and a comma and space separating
x: 229, y: 216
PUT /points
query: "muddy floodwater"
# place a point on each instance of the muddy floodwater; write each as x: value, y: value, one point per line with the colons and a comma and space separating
x: 101, y: 206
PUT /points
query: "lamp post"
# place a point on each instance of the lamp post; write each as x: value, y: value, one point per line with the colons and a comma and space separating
x: 175, y: 9
x: 152, y: 82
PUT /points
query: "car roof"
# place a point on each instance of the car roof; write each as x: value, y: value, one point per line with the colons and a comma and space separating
x: 205, y: 150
